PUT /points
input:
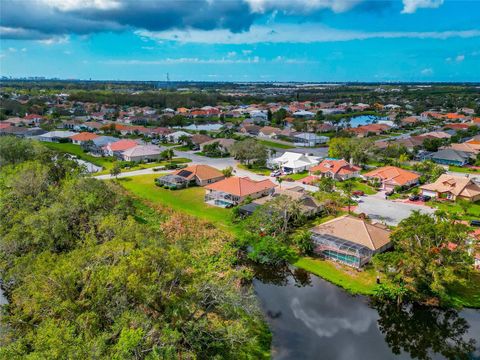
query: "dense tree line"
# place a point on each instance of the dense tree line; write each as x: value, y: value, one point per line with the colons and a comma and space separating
x: 90, y: 273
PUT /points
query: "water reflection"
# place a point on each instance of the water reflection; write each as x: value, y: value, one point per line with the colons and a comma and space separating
x: 313, y: 319
x: 422, y: 331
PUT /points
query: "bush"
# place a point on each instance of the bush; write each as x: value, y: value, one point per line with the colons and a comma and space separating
x: 268, y: 250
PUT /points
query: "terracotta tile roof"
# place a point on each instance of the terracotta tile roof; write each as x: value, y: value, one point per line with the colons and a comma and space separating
x: 203, y: 172
x: 122, y: 145
x: 84, y: 136
x: 458, y: 186
x: 355, y: 230
x: 341, y: 167
x: 268, y: 130
x: 393, y: 174
x: 241, y: 186
x: 200, y: 138
x: 456, y: 126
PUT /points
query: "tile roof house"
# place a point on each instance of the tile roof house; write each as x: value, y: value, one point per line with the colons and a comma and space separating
x: 83, y: 137
x: 200, y: 174
x: 362, y: 131
x: 338, y: 169
x: 233, y: 190
x: 250, y: 129
x: 198, y: 139
x: 452, y: 188
x: 269, y: 132
x: 471, y: 147
x: 117, y: 147
x: 225, y: 144
x: 350, y: 240
x: 391, y: 176
x: 142, y: 153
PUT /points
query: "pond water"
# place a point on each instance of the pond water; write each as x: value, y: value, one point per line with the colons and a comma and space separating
x: 207, y: 127
x: 313, y: 319
x: 364, y: 120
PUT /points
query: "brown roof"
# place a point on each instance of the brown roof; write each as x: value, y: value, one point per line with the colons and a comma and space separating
x: 267, y: 130
x: 241, y: 186
x: 203, y: 172
x: 393, y: 174
x: 458, y: 186
x: 355, y: 230
x: 200, y: 138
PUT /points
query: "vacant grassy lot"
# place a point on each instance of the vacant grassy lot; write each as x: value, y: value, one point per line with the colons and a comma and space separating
x: 255, y: 169
x: 190, y: 200
x: 355, y: 282
x: 461, y: 169
x: 105, y: 162
x: 275, y: 144
x: 367, y: 189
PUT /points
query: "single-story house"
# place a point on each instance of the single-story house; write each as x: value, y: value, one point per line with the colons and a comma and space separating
x: 200, y: 175
x: 22, y: 132
x: 350, y: 240
x: 309, y: 139
x: 294, y: 162
x: 303, y: 114
x: 338, y: 169
x: 198, y: 139
x: 83, y: 137
x: 233, y: 190
x: 451, y: 157
x: 269, y: 132
x: 224, y: 144
x: 100, y: 142
x: 309, y: 205
x: 175, y: 136
x: 250, y: 129
x: 392, y: 176
x: 452, y: 188
x: 142, y: 153
x: 365, y: 130
x: 118, y: 147
x: 56, y: 136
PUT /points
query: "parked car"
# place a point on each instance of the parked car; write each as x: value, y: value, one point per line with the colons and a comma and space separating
x: 414, y: 198
x: 389, y: 193
x: 475, y: 223
x: 358, y: 193
x: 425, y: 198
x: 275, y: 173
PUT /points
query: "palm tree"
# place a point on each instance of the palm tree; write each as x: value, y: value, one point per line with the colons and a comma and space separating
x: 348, y: 189
x: 168, y: 154
x: 280, y: 180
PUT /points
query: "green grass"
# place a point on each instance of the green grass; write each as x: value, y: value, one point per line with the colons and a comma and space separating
x: 140, y: 166
x: 274, y: 144
x: 463, y: 170
x: 297, y: 176
x: 190, y: 200
x: 105, y: 162
x: 355, y: 282
x: 469, y: 295
x: 359, y: 186
x: 254, y: 169
x: 451, y: 207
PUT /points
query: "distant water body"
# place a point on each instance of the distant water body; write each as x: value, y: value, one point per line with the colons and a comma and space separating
x: 364, y: 120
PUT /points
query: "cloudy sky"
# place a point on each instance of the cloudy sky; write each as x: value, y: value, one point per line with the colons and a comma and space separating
x: 242, y: 40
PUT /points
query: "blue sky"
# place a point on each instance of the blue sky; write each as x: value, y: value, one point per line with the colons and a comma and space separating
x: 242, y: 40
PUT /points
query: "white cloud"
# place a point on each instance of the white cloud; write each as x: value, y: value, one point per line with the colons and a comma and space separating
x: 55, y: 40
x: 231, y: 54
x: 301, y: 6
x: 148, y: 47
x: 411, y: 6
x: 427, y: 71
x: 23, y: 49
x: 195, y: 60
x: 11, y: 49
x: 73, y: 5
x: 289, y: 33
x: 246, y: 52
x: 460, y: 58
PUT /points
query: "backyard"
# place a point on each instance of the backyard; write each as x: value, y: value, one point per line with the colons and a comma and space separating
x: 472, y: 211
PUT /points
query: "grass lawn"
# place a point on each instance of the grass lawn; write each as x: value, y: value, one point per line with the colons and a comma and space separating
x: 256, y: 170
x: 356, y: 282
x: 461, y: 169
x: 297, y: 176
x: 360, y: 186
x: 105, y: 162
x: 188, y: 200
x: 451, y: 207
x: 275, y: 144
x: 469, y: 295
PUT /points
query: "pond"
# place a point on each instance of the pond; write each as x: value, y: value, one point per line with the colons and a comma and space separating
x: 364, y: 120
x: 313, y: 319
x: 207, y: 127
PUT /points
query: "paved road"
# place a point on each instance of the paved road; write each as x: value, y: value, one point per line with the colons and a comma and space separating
x: 389, y: 211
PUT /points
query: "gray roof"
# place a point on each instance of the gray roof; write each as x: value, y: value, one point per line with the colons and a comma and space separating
x: 104, y: 140
x: 450, y: 154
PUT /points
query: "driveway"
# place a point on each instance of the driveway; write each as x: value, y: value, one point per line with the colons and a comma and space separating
x: 389, y: 211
